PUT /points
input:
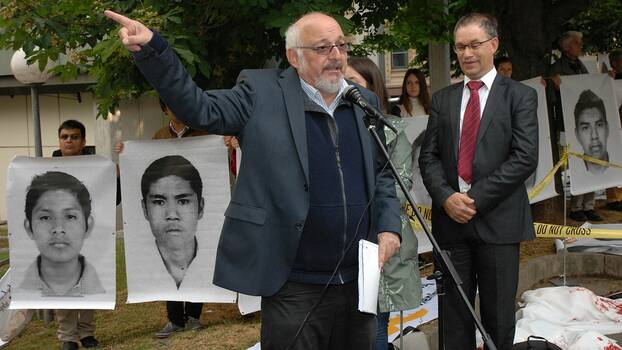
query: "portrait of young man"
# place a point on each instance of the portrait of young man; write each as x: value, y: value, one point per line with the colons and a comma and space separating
x: 592, y: 129
x: 58, y: 220
x: 173, y: 204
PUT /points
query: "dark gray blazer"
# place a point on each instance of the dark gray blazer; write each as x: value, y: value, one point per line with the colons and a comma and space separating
x: 506, y: 154
x: 269, y: 205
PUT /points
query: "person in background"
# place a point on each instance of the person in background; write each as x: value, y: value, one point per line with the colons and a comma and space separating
x: 415, y: 98
x: 571, y: 46
x: 74, y: 325
x: 615, y: 61
x: 614, y: 194
x: 480, y: 145
x: 504, y: 66
x: 400, y: 284
x: 364, y: 72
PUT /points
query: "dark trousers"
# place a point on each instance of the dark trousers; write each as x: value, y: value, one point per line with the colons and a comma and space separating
x: 335, y: 324
x: 493, y: 270
x: 179, y: 311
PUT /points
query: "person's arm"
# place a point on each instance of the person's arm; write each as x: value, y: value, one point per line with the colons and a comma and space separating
x: 430, y: 162
x: 458, y: 206
x: 521, y: 161
x: 216, y: 111
x: 385, y: 203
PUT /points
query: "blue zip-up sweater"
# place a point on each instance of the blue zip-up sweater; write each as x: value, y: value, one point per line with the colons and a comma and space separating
x: 336, y: 181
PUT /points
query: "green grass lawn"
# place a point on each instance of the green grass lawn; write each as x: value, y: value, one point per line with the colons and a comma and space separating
x: 132, y: 326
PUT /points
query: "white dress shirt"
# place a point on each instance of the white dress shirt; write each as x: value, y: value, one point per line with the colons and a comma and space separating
x: 483, y: 92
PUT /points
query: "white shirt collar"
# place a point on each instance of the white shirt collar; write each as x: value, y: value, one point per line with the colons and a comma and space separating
x: 487, y: 79
x: 315, y: 95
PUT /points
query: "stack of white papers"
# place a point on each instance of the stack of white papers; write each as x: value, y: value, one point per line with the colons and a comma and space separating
x: 369, y: 277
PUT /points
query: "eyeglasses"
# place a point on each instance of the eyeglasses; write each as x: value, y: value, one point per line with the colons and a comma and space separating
x: 326, y: 49
x: 458, y: 48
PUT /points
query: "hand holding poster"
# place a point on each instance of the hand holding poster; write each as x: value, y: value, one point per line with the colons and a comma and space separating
x: 61, y: 232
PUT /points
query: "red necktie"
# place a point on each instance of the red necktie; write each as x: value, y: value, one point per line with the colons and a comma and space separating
x: 468, y: 136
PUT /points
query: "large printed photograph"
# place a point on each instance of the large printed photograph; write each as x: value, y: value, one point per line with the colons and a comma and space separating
x: 175, y: 193
x: 61, y: 232
x: 592, y: 124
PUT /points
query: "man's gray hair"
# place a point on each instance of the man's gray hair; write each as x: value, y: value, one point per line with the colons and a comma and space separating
x: 567, y: 38
x: 292, y: 36
x: 485, y: 21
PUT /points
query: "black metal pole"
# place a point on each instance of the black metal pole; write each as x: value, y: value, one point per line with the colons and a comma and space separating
x: 443, y: 258
x: 36, y: 119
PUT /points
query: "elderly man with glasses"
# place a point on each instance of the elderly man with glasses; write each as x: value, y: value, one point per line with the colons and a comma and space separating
x: 311, y: 184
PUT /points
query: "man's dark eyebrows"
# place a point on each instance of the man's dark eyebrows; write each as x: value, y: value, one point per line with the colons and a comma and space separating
x: 184, y: 195
x: 156, y: 195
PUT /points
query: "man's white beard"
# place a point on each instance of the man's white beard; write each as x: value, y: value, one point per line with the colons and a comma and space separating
x: 326, y: 86
x: 322, y: 85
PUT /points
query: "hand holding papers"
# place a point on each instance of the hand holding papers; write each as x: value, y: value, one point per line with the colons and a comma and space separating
x: 369, y: 277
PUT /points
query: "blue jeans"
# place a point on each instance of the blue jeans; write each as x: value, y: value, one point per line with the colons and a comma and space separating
x: 382, y: 336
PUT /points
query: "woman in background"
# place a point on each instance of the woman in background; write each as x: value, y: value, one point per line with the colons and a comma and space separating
x: 400, y: 284
x: 415, y: 98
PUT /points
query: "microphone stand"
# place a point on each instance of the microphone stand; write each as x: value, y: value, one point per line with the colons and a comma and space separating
x: 442, y: 256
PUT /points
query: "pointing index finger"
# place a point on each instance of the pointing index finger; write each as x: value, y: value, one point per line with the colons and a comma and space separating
x: 122, y: 20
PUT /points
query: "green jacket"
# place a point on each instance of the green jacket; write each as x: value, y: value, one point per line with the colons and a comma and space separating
x: 400, y: 283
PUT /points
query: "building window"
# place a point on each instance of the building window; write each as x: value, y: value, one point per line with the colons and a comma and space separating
x: 399, y: 59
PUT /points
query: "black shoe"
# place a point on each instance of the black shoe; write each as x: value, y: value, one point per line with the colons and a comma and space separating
x: 70, y: 345
x: 617, y: 206
x: 89, y: 342
x: 578, y: 216
x: 592, y: 216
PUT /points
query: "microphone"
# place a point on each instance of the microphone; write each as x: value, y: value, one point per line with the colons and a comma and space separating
x: 352, y: 94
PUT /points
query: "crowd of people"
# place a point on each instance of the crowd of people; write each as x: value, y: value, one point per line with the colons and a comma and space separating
x: 299, y: 226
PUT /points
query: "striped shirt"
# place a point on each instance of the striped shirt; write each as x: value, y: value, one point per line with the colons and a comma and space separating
x: 315, y: 96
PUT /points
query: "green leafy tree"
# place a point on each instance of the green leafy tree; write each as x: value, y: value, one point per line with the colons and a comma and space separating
x: 528, y: 29
x: 215, y: 39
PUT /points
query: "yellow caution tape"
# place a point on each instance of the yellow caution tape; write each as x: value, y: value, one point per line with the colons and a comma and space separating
x: 559, y: 231
x: 542, y: 230
x: 564, y: 161
x: 535, y: 191
x: 594, y: 160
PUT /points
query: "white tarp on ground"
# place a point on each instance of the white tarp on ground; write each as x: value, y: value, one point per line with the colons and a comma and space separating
x: 594, y: 245
x: 571, y: 317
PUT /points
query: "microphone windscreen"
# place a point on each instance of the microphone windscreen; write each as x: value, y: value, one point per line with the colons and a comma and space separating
x: 351, y: 93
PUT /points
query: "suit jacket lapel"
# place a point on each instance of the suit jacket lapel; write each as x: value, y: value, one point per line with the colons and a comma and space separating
x: 455, y: 100
x: 494, y: 98
x: 292, y: 94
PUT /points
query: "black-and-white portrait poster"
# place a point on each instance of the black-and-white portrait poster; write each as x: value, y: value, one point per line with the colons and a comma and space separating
x: 545, y: 156
x: 61, y: 222
x: 591, y: 121
x: 175, y: 193
x: 415, y: 131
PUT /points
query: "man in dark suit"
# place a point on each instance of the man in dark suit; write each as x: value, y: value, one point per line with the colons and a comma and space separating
x: 481, y: 145
x: 311, y: 183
